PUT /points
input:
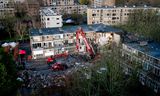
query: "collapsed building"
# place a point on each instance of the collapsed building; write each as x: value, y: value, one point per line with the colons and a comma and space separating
x: 51, y: 41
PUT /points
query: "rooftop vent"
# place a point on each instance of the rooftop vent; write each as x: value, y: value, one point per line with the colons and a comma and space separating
x: 40, y: 32
x: 90, y: 27
x: 60, y: 29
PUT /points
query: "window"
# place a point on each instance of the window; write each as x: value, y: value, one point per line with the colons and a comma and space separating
x: 57, y: 18
x: 113, y: 18
x: 45, y: 44
x: 93, y: 14
x: 39, y: 44
x: 156, y: 71
x: 48, y: 19
x: 114, y: 14
x: 57, y: 23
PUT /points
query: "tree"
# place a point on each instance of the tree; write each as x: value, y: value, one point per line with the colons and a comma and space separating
x: 21, y: 29
x: 3, y: 75
x: 17, y: 24
x: 144, y: 23
x: 78, y: 18
x: 84, y: 2
x: 8, y: 23
x: 138, y: 2
x: 92, y: 81
x: 8, y: 74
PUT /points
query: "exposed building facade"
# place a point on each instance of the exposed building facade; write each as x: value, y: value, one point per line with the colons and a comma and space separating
x: 50, y: 41
x: 112, y: 15
x: 50, y: 19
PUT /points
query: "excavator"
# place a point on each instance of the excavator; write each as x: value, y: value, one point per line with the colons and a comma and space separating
x: 89, y: 47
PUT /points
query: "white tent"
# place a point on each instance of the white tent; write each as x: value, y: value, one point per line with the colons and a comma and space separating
x: 5, y: 45
x: 12, y: 44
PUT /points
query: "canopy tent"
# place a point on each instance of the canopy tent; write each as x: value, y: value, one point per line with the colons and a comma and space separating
x: 5, y: 45
x: 22, y: 52
x: 12, y: 44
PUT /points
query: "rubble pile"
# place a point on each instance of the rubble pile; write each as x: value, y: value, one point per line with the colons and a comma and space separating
x: 36, y: 80
x: 38, y: 75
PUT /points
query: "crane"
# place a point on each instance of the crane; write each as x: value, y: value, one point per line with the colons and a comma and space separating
x: 88, y: 46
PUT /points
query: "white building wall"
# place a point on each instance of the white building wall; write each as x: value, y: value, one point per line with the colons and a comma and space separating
x: 116, y: 38
x: 37, y: 53
x: 48, y: 52
x: 50, y: 18
x: 36, y: 38
x: 52, y: 21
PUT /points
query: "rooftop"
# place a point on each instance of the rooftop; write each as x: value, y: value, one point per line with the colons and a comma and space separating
x: 48, y: 12
x: 135, y: 7
x: 71, y: 29
x: 152, y: 48
x: 149, y: 47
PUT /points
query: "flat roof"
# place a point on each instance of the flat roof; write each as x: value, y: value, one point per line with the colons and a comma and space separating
x: 48, y: 12
x: 131, y: 7
x: 72, y: 29
x: 151, y: 48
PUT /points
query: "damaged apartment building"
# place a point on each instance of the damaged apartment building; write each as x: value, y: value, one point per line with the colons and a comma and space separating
x: 51, y: 41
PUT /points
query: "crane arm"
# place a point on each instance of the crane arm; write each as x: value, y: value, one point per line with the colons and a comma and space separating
x: 89, y: 47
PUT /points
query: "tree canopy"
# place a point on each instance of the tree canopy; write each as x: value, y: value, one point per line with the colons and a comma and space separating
x: 84, y: 2
x: 7, y: 74
x: 144, y: 23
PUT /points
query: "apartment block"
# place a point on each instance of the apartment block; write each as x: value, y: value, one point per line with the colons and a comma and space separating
x: 112, y: 15
x: 50, y: 19
x: 6, y: 7
x: 69, y: 9
x: 58, y: 2
x: 145, y: 55
x: 51, y: 41
x: 102, y: 3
